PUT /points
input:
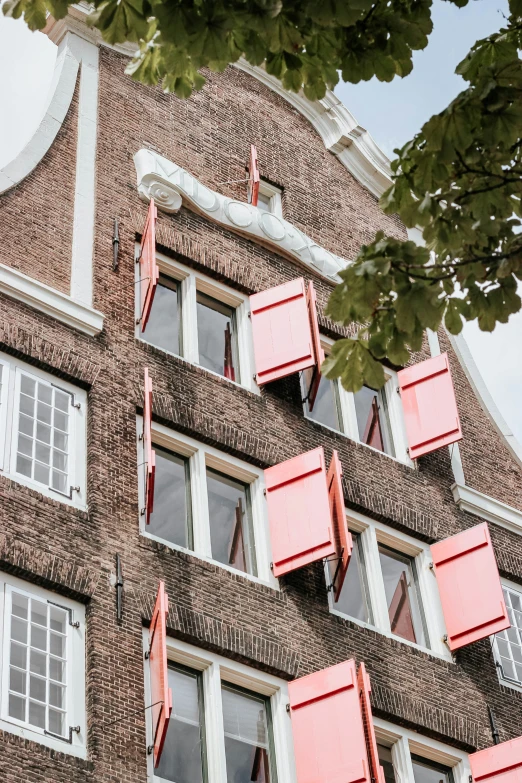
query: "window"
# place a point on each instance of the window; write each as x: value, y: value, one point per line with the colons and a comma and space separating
x: 368, y: 416
x: 226, y: 718
x: 390, y: 586
x: 410, y: 757
x: 42, y: 666
x: 209, y: 503
x: 269, y: 199
x: 202, y: 321
x: 507, y: 645
x: 42, y: 432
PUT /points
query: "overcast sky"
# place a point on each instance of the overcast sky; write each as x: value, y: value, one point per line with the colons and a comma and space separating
x: 391, y: 112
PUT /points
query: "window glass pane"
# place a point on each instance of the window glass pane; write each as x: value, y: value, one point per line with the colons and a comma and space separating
x: 326, y: 406
x: 217, y: 337
x: 509, y: 643
x: 38, y: 632
x: 429, y: 772
x: 247, y: 740
x: 230, y: 517
x: 170, y: 518
x: 401, y: 595
x: 385, y: 758
x: 43, y: 420
x: 372, y: 419
x: 163, y: 326
x: 354, y: 599
x: 182, y: 758
x: 263, y: 202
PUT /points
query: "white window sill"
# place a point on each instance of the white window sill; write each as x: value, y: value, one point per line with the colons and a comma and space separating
x: 33, y: 734
x: 434, y: 653
x: 486, y: 507
x: 273, y: 583
x: 50, y: 301
x: 75, y: 501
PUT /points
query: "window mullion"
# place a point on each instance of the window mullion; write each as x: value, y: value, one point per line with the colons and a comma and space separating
x: 189, y: 320
x: 348, y: 412
x: 245, y: 346
x: 375, y: 581
x: 401, y: 758
x: 200, y: 513
x: 214, y: 729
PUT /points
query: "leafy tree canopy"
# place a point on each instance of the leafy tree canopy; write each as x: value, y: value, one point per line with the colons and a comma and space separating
x: 459, y: 180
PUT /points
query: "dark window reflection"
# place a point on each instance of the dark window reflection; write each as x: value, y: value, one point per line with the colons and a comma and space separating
x: 354, y: 599
x: 170, y: 518
x: 231, y: 532
x: 430, y: 772
x: 247, y: 737
x: 217, y: 337
x: 385, y: 758
x: 163, y: 327
x: 182, y: 759
x: 402, y: 597
x: 372, y: 419
x: 326, y: 406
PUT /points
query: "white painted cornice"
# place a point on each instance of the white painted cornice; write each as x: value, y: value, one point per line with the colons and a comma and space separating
x: 487, y: 508
x: 50, y: 301
x: 171, y: 186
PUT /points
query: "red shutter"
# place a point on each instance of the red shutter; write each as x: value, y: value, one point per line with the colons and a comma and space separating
x: 469, y: 587
x: 329, y: 739
x: 281, y: 327
x: 253, y: 177
x: 342, y: 536
x: 499, y: 764
x: 299, y: 512
x: 363, y: 682
x: 148, y: 452
x: 161, y: 694
x: 316, y: 340
x: 149, y: 270
x: 430, y: 409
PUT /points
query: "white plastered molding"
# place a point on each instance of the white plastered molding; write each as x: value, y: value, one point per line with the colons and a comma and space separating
x: 486, y: 507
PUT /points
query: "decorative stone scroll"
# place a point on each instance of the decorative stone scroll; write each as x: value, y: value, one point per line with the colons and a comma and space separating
x: 171, y: 186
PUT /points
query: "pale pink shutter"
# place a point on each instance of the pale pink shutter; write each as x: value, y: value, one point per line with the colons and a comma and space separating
x: 430, y: 409
x: 342, y: 536
x: 469, y: 587
x: 363, y: 682
x: 161, y: 694
x: 316, y: 340
x: 149, y: 270
x: 301, y: 530
x: 498, y: 764
x: 329, y: 737
x: 253, y: 177
x: 148, y: 452
x: 283, y: 342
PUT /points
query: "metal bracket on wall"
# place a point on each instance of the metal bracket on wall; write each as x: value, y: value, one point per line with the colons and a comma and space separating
x: 115, y: 245
x: 119, y: 590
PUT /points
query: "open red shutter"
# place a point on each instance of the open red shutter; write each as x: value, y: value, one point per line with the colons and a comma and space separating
x: 363, y: 682
x: 342, y: 536
x: 161, y: 694
x: 316, y: 340
x: 499, y: 764
x: 430, y: 409
x: 282, y: 332
x: 149, y: 270
x: 299, y: 512
x: 329, y: 739
x: 253, y: 177
x: 469, y: 586
x: 148, y: 452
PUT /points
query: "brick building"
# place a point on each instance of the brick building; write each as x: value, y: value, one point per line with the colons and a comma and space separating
x: 100, y: 380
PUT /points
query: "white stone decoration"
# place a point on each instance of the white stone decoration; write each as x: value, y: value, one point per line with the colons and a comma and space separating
x: 171, y: 186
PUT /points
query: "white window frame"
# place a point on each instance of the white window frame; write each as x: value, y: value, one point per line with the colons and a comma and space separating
x: 192, y: 281
x: 515, y: 588
x: 348, y: 414
x: 75, y: 670
x: 404, y: 742
x: 215, y: 669
x: 200, y: 457
x: 373, y: 533
x: 273, y: 193
x: 77, y: 463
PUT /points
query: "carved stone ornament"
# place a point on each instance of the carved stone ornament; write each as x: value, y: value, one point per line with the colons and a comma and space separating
x: 171, y: 186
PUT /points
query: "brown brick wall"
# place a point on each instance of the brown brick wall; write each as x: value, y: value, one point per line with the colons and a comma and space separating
x: 74, y: 552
